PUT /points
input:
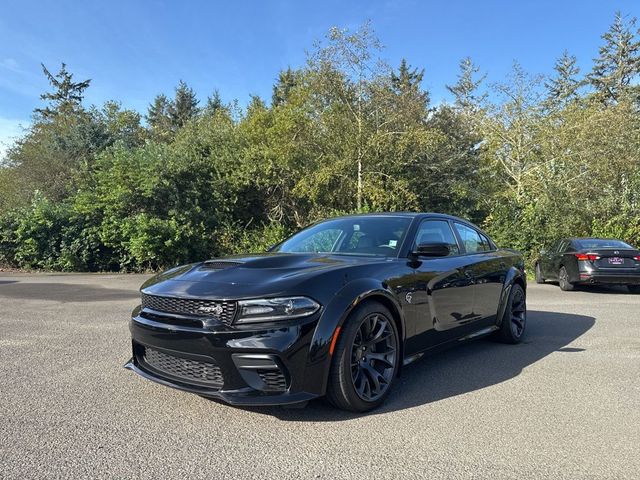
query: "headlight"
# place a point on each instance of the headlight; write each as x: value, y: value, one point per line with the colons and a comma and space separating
x: 271, y: 309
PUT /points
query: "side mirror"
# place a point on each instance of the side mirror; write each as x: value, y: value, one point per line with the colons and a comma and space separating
x: 432, y: 249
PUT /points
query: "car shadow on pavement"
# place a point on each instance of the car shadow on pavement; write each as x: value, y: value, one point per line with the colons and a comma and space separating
x: 462, y: 369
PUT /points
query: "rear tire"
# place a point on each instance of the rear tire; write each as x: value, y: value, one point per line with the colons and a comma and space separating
x: 633, y: 288
x: 563, y: 280
x: 514, y: 320
x: 539, y: 277
x: 366, y: 359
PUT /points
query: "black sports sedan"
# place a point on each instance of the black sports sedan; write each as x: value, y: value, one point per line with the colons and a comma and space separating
x: 337, y: 309
x: 590, y: 261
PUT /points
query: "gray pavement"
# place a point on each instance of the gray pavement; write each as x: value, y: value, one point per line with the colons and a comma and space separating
x: 564, y: 404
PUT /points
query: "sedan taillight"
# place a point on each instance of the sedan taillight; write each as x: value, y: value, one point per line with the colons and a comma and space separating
x: 637, y: 258
x: 587, y: 256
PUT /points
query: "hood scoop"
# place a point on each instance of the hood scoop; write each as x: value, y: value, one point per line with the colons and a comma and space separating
x: 219, y: 264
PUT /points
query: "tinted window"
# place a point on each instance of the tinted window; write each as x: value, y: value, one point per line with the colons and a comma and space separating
x: 471, y: 239
x: 486, y: 244
x: 365, y: 235
x: 601, y: 243
x: 437, y: 231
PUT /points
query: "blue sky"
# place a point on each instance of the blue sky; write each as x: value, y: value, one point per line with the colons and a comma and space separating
x: 134, y: 49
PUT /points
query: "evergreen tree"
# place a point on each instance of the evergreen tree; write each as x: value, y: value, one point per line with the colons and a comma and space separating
x: 564, y: 86
x: 466, y: 88
x: 67, y: 95
x: 184, y: 106
x: 406, y: 79
x: 158, y: 117
x: 619, y: 60
x: 287, y: 80
x: 214, y: 103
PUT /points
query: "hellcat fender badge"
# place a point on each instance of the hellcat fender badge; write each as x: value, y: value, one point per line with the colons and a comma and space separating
x: 409, y: 297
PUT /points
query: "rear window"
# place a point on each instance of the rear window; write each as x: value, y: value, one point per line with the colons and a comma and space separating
x: 601, y: 243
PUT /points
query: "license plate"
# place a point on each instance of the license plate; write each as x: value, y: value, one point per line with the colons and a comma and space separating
x: 616, y: 261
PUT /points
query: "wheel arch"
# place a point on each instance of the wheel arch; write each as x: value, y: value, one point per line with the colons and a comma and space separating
x: 344, y: 303
x: 514, y: 277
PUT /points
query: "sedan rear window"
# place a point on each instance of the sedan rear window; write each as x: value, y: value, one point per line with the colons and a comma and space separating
x: 586, y: 243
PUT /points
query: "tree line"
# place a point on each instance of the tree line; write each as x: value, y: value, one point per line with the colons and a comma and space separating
x: 529, y: 158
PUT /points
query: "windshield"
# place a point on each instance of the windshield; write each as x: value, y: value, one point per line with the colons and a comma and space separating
x: 601, y: 243
x: 374, y: 235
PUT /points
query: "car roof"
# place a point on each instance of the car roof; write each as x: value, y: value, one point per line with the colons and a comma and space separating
x: 404, y: 214
x: 591, y: 238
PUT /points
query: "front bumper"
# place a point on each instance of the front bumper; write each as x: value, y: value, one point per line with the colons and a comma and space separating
x: 256, y: 365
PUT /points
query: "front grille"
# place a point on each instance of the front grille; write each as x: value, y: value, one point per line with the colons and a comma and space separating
x: 226, y: 310
x: 191, y: 371
x: 274, y: 380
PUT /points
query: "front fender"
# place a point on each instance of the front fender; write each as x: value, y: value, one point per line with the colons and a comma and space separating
x: 513, y: 274
x: 334, y: 316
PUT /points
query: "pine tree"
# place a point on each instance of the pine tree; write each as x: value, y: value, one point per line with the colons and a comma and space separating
x: 214, y: 103
x: 466, y: 88
x: 563, y: 87
x: 158, y: 117
x: 287, y: 80
x: 408, y: 80
x: 184, y: 106
x: 67, y: 95
x: 619, y: 60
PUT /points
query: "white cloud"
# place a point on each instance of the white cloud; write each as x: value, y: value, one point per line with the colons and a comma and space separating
x: 10, y: 129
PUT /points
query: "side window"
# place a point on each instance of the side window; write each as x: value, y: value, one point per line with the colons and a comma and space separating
x: 486, y: 244
x: 437, y: 231
x: 470, y: 239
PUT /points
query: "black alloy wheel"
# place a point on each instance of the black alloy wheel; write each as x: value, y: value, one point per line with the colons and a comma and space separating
x: 514, y: 320
x: 366, y: 359
x: 563, y: 280
x: 373, y: 357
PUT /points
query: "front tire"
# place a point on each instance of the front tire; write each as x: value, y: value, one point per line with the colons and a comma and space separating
x: 539, y: 277
x: 365, y: 360
x: 563, y: 280
x: 514, y: 320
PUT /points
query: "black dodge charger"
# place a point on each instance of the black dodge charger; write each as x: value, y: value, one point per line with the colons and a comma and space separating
x: 337, y: 309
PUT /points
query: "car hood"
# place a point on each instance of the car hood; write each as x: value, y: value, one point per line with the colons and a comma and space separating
x: 250, y: 275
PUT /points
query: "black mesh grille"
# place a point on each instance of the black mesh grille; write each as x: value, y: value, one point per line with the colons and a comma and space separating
x: 191, y: 371
x: 223, y: 311
x: 274, y: 380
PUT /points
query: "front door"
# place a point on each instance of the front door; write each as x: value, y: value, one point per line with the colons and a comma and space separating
x: 442, y: 290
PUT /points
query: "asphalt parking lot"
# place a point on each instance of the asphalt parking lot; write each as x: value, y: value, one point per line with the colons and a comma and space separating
x: 564, y: 404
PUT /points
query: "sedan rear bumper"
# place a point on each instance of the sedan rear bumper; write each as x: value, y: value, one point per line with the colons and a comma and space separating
x: 609, y: 278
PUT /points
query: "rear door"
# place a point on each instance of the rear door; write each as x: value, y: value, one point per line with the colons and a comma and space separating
x: 488, y: 270
x: 553, y: 259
